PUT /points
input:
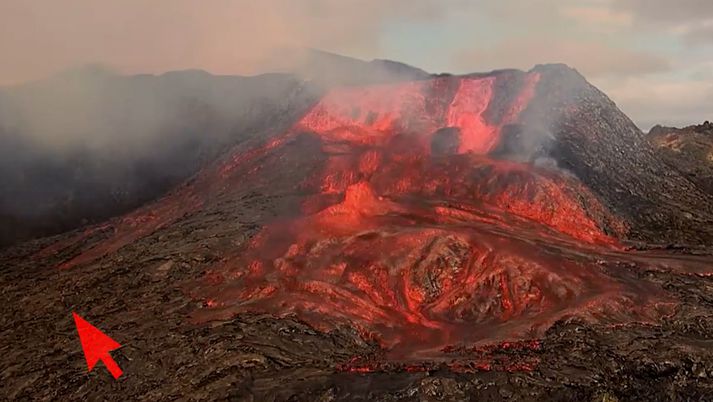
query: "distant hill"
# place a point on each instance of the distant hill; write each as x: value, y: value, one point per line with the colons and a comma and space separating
x: 688, y: 150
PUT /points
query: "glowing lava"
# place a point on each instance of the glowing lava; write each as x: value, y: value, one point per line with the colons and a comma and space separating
x: 410, y: 232
x: 425, y: 249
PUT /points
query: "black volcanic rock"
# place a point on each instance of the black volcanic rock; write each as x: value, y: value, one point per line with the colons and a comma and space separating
x: 445, y: 141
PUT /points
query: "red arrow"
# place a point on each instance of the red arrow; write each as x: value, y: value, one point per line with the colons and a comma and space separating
x: 96, y: 346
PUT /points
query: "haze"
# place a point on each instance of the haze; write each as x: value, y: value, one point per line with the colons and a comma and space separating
x: 652, y: 57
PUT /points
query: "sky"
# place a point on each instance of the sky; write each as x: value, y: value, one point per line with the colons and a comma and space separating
x: 654, y: 58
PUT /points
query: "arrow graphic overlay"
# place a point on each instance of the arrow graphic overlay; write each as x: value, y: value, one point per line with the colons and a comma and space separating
x: 96, y: 346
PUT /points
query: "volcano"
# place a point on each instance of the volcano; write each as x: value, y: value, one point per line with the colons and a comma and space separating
x: 388, y: 233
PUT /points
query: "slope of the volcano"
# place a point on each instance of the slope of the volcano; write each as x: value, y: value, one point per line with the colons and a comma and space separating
x: 410, y: 231
x: 586, y: 134
x: 427, y: 138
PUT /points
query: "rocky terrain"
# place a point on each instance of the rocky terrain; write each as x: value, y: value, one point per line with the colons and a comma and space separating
x: 687, y: 150
x: 500, y: 236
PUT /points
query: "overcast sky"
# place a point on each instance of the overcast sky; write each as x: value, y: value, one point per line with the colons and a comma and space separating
x: 653, y: 57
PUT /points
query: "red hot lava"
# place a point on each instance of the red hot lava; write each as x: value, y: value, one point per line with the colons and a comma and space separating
x: 427, y: 249
x: 412, y: 233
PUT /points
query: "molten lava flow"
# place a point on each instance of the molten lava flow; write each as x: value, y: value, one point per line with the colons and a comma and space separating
x: 411, y: 233
x: 426, y: 249
x: 414, y: 280
x: 466, y: 111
